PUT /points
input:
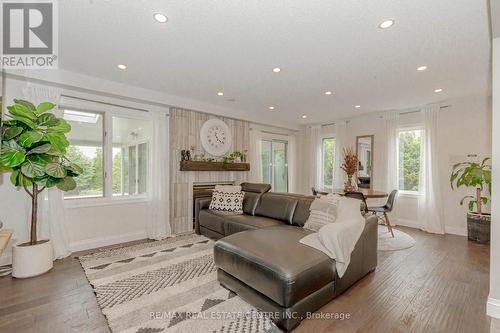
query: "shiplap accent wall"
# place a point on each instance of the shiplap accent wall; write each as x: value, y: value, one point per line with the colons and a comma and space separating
x: 185, y: 128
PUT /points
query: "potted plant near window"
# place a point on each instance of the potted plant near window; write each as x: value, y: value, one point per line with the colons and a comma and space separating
x: 33, y: 150
x: 478, y: 176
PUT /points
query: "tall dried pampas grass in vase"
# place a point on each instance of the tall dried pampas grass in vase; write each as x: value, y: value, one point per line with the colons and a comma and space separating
x: 350, y: 166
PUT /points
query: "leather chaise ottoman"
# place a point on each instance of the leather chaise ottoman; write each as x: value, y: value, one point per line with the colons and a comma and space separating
x: 272, y: 270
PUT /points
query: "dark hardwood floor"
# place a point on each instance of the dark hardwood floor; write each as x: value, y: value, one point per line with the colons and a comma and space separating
x: 439, y: 285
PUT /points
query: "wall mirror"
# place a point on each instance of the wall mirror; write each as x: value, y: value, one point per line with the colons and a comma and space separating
x: 364, y: 151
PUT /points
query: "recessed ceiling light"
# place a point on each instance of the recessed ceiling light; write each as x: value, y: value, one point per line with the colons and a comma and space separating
x: 328, y: 92
x: 421, y: 68
x: 276, y: 69
x: 121, y: 66
x: 160, y: 18
x: 386, y: 24
x: 271, y: 108
x: 220, y: 93
x: 357, y: 106
x: 438, y: 90
x: 304, y: 116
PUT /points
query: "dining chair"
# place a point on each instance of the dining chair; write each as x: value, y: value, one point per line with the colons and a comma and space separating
x: 360, y: 196
x: 383, y: 210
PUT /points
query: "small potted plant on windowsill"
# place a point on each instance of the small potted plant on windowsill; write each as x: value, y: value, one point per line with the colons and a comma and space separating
x: 33, y: 150
x: 478, y: 176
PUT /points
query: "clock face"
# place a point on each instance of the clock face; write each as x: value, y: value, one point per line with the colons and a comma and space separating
x: 215, y: 137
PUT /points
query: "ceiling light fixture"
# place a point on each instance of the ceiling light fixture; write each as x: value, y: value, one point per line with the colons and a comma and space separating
x: 121, y: 66
x: 328, y: 92
x: 220, y: 93
x: 386, y: 24
x: 271, y: 108
x: 421, y: 68
x: 304, y: 116
x: 160, y: 18
x: 276, y: 69
x: 438, y: 90
x: 357, y: 106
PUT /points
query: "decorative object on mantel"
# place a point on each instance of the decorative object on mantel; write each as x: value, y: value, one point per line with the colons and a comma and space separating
x: 239, y: 156
x: 350, y: 166
x: 33, y: 150
x: 213, y: 166
x: 185, y: 156
x: 478, y: 176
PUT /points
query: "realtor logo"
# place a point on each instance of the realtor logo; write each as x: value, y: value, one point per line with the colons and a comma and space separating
x: 29, y: 35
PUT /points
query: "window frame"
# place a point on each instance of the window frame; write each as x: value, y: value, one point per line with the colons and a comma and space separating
x: 278, y: 139
x: 408, y: 128
x: 322, y: 162
x: 135, y: 144
x: 107, y: 197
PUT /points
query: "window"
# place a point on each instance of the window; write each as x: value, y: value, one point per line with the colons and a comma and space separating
x: 86, y: 150
x: 409, y: 159
x: 274, y: 157
x: 327, y: 157
x: 130, y: 156
x: 128, y: 152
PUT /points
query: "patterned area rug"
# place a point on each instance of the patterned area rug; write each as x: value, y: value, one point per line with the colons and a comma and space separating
x: 167, y: 286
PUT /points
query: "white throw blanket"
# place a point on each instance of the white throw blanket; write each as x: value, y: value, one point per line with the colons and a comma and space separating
x: 337, y: 239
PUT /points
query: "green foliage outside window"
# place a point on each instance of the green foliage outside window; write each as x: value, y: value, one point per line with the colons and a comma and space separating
x: 328, y: 150
x: 409, y: 160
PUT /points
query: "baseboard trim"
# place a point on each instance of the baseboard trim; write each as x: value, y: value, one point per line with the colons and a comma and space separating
x: 93, y: 243
x: 456, y: 231
x: 448, y: 230
x: 408, y: 223
x: 493, y: 307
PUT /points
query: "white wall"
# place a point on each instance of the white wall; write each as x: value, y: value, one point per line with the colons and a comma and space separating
x: 493, y: 307
x: 464, y: 128
x: 88, y: 225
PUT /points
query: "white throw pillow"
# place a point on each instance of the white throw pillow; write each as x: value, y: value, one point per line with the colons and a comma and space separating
x: 227, y: 199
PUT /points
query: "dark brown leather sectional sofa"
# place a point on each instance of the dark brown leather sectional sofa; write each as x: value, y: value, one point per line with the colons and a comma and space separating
x: 259, y: 257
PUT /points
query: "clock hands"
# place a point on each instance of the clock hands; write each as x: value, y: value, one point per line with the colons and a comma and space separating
x: 217, y: 138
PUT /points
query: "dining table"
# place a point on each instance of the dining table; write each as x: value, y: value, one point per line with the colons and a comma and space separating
x: 367, y: 192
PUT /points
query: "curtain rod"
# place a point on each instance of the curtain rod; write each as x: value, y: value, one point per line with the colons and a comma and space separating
x: 105, y: 103
x: 401, y: 113
x: 274, y: 133
x: 415, y: 111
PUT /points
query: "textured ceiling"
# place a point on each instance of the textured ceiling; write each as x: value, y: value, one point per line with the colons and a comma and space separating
x: 231, y: 46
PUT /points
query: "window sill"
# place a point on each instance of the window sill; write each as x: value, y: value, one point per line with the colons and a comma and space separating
x: 408, y: 194
x: 93, y: 202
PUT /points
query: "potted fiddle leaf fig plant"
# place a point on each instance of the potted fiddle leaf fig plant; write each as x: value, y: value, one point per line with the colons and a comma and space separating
x: 477, y: 176
x: 33, y: 151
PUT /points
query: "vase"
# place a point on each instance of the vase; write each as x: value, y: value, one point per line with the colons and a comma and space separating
x: 350, y: 184
x: 32, y: 260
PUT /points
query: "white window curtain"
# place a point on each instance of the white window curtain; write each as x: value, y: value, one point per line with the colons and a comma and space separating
x: 292, y: 162
x: 158, y: 226
x: 391, y: 120
x: 341, y: 142
x: 430, y: 214
x: 255, y: 158
x: 51, y: 215
x: 313, y: 135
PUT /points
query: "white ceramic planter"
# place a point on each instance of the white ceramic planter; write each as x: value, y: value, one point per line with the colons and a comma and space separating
x: 32, y: 260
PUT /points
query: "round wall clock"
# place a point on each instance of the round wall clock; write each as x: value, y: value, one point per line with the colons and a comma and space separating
x: 215, y: 137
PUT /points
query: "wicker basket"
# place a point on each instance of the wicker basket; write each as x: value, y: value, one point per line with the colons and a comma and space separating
x: 478, y: 227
